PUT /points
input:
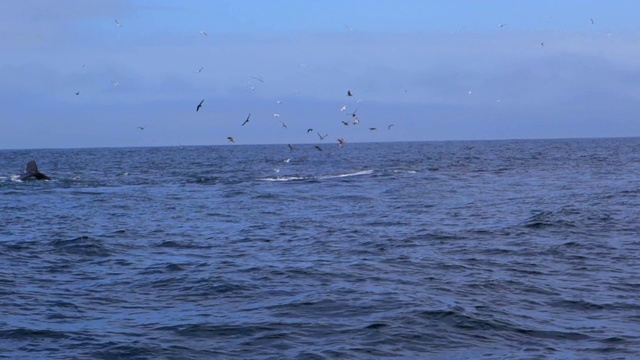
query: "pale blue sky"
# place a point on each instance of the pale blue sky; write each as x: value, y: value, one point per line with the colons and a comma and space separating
x: 437, y: 70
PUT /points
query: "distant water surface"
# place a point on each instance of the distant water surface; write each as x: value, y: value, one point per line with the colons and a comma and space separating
x: 523, y: 249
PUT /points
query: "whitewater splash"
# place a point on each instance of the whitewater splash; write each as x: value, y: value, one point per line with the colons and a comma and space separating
x: 318, y: 177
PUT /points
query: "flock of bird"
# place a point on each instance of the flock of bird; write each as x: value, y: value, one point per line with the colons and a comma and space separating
x: 341, y: 141
x: 353, y: 117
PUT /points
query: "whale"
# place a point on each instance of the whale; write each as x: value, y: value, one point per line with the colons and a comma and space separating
x: 32, y: 172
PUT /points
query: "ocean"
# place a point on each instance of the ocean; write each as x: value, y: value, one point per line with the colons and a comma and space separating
x: 514, y: 249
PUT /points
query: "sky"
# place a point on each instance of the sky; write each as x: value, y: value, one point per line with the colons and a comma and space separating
x: 127, y: 73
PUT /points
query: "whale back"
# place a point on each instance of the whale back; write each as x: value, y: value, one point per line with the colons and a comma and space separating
x: 32, y: 172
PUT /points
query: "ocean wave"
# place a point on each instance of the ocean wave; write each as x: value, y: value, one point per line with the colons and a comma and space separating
x: 318, y: 177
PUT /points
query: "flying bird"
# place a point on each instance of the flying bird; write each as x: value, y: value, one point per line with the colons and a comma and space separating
x: 279, y: 102
x: 354, y: 113
x: 199, y: 105
x: 542, y: 44
x: 592, y: 21
x: 200, y: 70
x: 345, y: 123
x: 356, y: 121
x: 247, y: 120
x: 259, y: 78
x: 389, y: 127
x: 290, y: 148
x: 341, y: 142
x: 117, y: 23
x: 318, y: 148
x: 114, y: 83
x: 343, y: 108
x: 142, y: 127
x: 322, y: 137
x: 276, y: 115
x: 373, y: 129
x: 502, y: 25
x: 283, y: 124
x: 309, y: 130
x: 349, y: 93
x: 77, y: 92
x: 202, y: 32
x: 231, y: 139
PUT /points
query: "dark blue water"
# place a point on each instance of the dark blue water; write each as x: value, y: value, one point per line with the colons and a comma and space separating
x: 449, y: 250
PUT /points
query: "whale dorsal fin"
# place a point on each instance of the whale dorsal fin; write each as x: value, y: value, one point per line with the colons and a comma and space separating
x: 32, y: 167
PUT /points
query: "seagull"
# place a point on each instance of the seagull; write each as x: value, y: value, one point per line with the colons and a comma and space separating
x: 200, y: 70
x: 114, y: 83
x: 279, y: 102
x: 286, y: 160
x: 343, y: 108
x: 77, y: 92
x: 142, y: 127
x: 276, y: 115
x: 290, y: 148
x: 356, y: 121
x: 341, y: 142
x: 345, y: 123
x: 318, y: 148
x: 389, y: 127
x: 354, y: 113
x: 259, y: 78
x: 373, y: 129
x: 283, y: 124
x: 117, y: 23
x: 322, y: 137
x: 349, y: 93
x: 542, y: 44
x: 247, y: 120
x: 309, y: 130
x: 502, y: 25
x: 199, y: 105
x: 231, y: 139
x: 202, y: 32
x: 592, y: 21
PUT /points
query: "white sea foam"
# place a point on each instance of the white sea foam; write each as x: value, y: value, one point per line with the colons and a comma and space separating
x: 285, y: 178
x: 405, y: 171
x: 320, y: 177
x: 363, y: 172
